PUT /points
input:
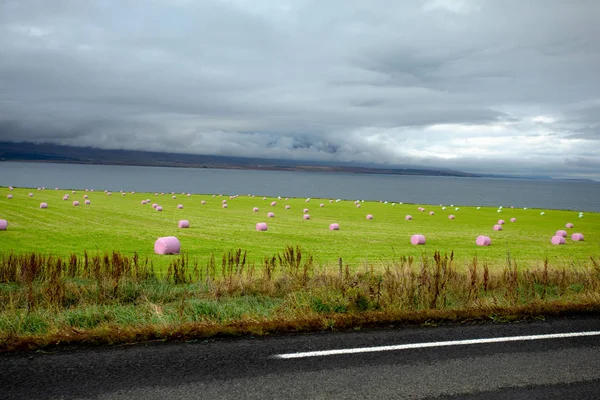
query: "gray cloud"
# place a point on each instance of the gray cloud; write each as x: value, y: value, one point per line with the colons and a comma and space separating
x: 478, y: 85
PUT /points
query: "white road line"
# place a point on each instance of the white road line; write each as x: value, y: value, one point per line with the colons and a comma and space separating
x: 435, y: 344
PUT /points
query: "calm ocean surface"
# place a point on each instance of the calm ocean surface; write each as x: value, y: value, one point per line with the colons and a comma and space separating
x: 579, y: 196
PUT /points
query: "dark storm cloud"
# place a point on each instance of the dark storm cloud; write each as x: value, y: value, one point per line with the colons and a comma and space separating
x: 507, y: 86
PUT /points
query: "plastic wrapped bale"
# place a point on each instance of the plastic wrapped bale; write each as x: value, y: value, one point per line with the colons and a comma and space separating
x: 273, y: 203
x: 305, y: 210
x: 85, y: 196
x: 287, y: 207
x: 483, y: 241
x: 408, y: 217
x: 255, y: 209
x: 87, y: 202
x: 271, y: 215
x: 321, y: 205
x: 358, y: 206
x: 557, y: 240
x: 183, y: 223
x: 431, y: 213
x: 30, y: 194
x: 224, y: 202
x: 143, y: 201
x: 500, y: 222
x: 3, y: 224
x: 167, y: 245
x: 497, y: 227
x: 224, y: 205
x: 417, y: 239
x: 334, y: 227
x: 203, y: 202
x: 261, y: 226
x: 9, y: 196
x: 180, y: 206
x: 450, y: 216
x: 369, y: 216
x: 561, y: 232
x: 154, y: 205
x: 569, y: 225
x: 513, y: 219
x: 43, y: 205
x: 577, y: 237
x: 158, y: 208
x: 75, y: 203
x: 306, y: 216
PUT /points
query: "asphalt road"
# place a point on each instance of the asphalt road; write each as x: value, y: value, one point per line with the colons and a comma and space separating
x: 563, y: 368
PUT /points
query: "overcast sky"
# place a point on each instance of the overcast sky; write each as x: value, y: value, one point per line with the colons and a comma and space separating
x: 495, y: 86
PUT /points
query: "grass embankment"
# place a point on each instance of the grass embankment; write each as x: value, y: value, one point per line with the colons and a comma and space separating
x: 53, y: 291
x: 121, y: 223
x: 114, y: 299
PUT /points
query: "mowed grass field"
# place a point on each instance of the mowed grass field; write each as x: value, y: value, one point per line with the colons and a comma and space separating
x: 121, y: 223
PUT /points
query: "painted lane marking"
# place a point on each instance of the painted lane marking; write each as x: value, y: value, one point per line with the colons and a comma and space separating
x: 435, y: 344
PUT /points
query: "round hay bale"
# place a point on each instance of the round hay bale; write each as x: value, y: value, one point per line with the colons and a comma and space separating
x: 408, y: 217
x: 500, y: 222
x: 542, y: 213
x: 431, y: 213
x: 273, y: 203
x: 143, y: 201
x: 203, y: 202
x: 43, y: 205
x: 308, y: 199
x: 174, y: 197
x: 561, y: 232
x: 87, y: 202
x: 224, y: 202
x: 305, y: 210
x: 557, y: 240
x: 334, y: 227
x: 513, y: 219
x: 224, y: 205
x: 158, y: 208
x: 577, y: 237
x: 85, y: 196
x: 154, y: 205
x: 443, y: 208
x: 75, y: 203
x: 30, y: 194
x: 417, y: 240
x: 498, y: 211
x: 255, y: 209
x: 261, y: 226
x: 450, y: 216
x: 3, y: 224
x: 179, y: 206
x: 9, y: 196
x: 497, y: 227
x: 306, y: 216
x: 483, y: 241
x: 358, y: 206
x: 321, y: 205
x: 478, y: 208
x: 270, y: 215
x: 369, y: 216
x: 167, y: 245
x: 183, y: 223
x: 330, y: 201
x: 287, y: 207
x: 73, y: 192
x: 569, y: 225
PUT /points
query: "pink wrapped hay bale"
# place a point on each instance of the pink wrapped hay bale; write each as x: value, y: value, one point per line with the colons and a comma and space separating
x: 513, y: 219
x: 330, y: 201
x: 87, y: 202
x: 9, y: 196
x: 497, y: 227
x: 203, y: 202
x: 3, y: 224
x: 154, y: 205
x: 273, y: 203
x: 450, y: 216
x: 30, y: 194
x: 255, y: 209
x: 431, y: 213
x: 417, y: 239
x: 577, y: 237
x: 183, y: 223
x: 483, y: 241
x: 167, y: 245
x: 408, y: 217
x: 261, y: 226
x: 334, y: 227
x: 569, y: 225
x: 85, y: 196
x: 287, y: 207
x: 43, y: 205
x: 143, y: 201
x: 271, y: 215
x: 321, y: 205
x: 561, y: 232
x: 179, y: 206
x: 224, y: 205
x: 500, y: 222
x: 158, y: 208
x: 75, y: 203
x: 369, y: 216
x: 358, y: 206
x: 174, y: 197
x: 306, y: 216
x: 224, y: 202
x: 65, y: 197
x: 557, y: 240
x: 305, y: 210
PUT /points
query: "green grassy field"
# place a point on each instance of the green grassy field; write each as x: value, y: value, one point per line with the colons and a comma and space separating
x: 122, y: 223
